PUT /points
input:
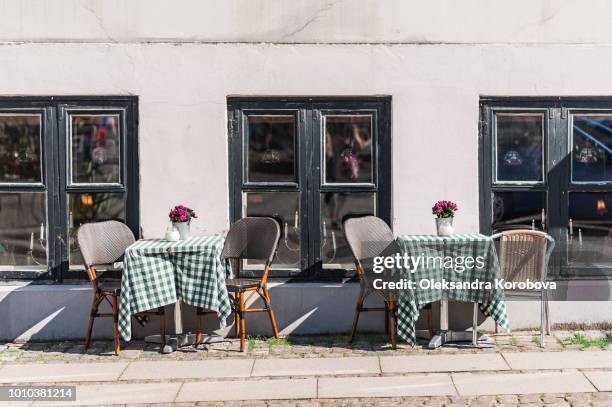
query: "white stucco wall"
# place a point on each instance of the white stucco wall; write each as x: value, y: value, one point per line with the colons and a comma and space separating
x: 183, y: 90
x: 308, y: 21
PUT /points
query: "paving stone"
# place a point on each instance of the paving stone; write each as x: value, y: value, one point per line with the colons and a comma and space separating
x: 61, y: 372
x: 249, y: 390
x: 442, y: 363
x: 602, y: 380
x: 521, y: 383
x: 106, y: 394
x: 393, y: 386
x: 558, y: 360
x: 316, y: 367
x: 156, y: 370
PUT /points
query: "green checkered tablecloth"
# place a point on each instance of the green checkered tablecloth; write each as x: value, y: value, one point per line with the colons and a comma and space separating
x: 491, y: 301
x: 158, y: 272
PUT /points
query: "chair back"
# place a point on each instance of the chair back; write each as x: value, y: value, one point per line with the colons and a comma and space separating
x: 367, y: 236
x: 523, y: 254
x: 103, y: 242
x: 252, y: 238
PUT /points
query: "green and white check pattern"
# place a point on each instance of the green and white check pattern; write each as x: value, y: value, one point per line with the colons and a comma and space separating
x: 158, y: 272
x: 491, y: 302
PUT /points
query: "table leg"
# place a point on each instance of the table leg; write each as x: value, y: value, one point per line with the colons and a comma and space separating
x: 180, y: 339
x: 445, y: 335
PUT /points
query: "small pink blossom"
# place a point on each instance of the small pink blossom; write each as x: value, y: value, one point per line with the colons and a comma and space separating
x: 444, y: 209
x: 181, y: 213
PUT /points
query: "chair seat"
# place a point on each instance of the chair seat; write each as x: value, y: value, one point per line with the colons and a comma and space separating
x: 110, y: 287
x: 241, y: 284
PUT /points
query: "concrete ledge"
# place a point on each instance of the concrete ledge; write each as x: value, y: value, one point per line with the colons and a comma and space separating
x: 316, y: 367
x: 473, y: 384
x: 559, y: 360
x: 399, y: 386
x: 248, y: 390
x: 55, y: 312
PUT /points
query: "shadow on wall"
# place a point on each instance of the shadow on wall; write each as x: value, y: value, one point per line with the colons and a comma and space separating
x: 46, y: 312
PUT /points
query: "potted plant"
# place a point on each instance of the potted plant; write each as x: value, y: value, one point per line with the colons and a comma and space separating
x: 445, y: 213
x: 181, y: 217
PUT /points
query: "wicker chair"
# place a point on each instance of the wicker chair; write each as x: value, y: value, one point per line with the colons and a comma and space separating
x: 524, y: 254
x: 368, y: 237
x: 250, y: 238
x: 102, y: 244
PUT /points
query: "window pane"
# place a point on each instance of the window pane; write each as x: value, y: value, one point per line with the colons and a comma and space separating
x: 592, y: 148
x: 518, y: 210
x: 348, y: 148
x: 20, y: 154
x: 96, y: 144
x: 590, y: 229
x: 91, y: 207
x: 23, y: 235
x: 271, y: 148
x: 519, y: 147
x: 285, y: 207
x: 335, y: 252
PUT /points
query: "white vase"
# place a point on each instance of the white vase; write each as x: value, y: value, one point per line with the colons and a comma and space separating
x: 183, y: 229
x: 444, y: 226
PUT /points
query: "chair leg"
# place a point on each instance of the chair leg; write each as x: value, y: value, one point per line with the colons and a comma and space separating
x: 392, y: 323
x: 116, y: 325
x: 496, y: 327
x: 198, y: 338
x: 242, y: 323
x: 430, y: 327
x: 236, y: 324
x: 266, y: 298
x: 92, y: 318
x: 360, y: 299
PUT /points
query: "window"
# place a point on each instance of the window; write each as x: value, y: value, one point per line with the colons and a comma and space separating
x: 64, y: 161
x: 310, y: 162
x: 545, y: 164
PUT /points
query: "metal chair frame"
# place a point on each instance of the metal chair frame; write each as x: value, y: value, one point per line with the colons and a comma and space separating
x: 103, y: 293
x: 544, y: 308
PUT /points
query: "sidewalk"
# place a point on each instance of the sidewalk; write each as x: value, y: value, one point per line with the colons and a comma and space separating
x: 568, y: 378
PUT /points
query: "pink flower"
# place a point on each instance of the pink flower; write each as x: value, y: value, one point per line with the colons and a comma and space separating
x: 444, y: 209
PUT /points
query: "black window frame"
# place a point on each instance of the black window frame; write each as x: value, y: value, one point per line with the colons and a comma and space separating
x: 557, y: 164
x: 56, y: 171
x: 309, y: 166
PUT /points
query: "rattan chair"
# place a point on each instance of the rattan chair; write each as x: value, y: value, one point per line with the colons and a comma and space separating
x: 369, y: 237
x: 524, y: 254
x: 250, y: 238
x: 102, y: 244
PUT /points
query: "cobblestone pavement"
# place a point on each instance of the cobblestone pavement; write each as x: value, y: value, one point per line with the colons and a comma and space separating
x: 298, y: 346
x: 531, y: 400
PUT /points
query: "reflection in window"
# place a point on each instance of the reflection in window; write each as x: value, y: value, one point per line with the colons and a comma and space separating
x: 283, y: 206
x: 91, y: 207
x: 592, y: 148
x: 518, y: 210
x: 23, y: 235
x: 271, y: 148
x: 348, y: 148
x: 519, y: 147
x: 96, y: 143
x: 335, y: 206
x: 20, y: 154
x: 590, y: 229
